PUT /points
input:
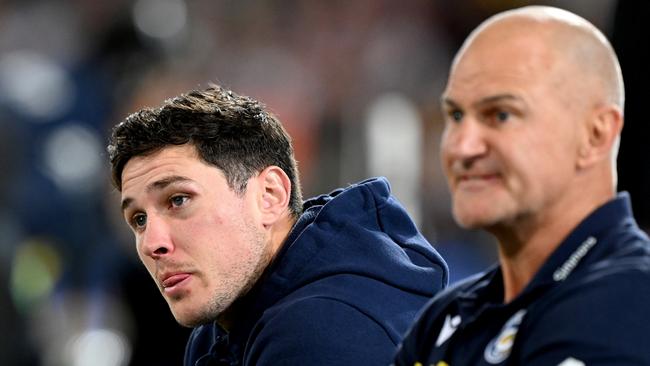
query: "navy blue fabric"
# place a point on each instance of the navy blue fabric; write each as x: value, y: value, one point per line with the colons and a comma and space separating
x: 587, y: 305
x: 349, y: 280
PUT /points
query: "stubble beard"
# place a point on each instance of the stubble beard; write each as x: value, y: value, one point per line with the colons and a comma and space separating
x: 250, y: 272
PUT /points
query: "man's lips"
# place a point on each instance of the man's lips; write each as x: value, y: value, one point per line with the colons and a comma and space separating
x: 476, y: 181
x: 470, y: 177
x: 173, y: 279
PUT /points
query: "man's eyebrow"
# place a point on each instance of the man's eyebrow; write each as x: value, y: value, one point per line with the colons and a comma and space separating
x: 498, y: 98
x: 450, y: 103
x: 126, y: 203
x: 164, y: 182
x: 157, y: 186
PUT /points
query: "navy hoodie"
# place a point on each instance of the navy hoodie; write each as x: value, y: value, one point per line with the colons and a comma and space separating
x: 348, y: 281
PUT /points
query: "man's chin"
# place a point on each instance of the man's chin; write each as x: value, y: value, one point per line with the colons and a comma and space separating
x: 469, y: 224
x: 473, y: 221
x: 192, y: 317
x: 191, y: 322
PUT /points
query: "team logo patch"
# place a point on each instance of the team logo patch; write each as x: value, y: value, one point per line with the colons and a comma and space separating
x: 499, y: 348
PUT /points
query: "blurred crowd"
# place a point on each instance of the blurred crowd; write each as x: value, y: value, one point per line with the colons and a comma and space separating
x: 356, y: 84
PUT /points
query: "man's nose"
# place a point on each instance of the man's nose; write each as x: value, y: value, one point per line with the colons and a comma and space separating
x: 465, y: 141
x: 156, y: 240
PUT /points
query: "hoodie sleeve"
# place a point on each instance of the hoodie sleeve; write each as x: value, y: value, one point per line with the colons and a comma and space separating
x: 320, y: 331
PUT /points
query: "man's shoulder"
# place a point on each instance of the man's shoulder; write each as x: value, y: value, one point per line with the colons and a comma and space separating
x: 599, y: 315
x: 375, y: 301
x: 319, y: 330
x: 597, y: 311
x: 624, y: 266
x: 311, y: 311
x: 620, y: 263
x: 610, y: 284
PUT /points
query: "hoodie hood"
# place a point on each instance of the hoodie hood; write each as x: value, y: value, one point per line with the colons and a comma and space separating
x: 361, y: 230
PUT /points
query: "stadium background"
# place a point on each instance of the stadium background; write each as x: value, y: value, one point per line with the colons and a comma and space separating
x: 355, y: 82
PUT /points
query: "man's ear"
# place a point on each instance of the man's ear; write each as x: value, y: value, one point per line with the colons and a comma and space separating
x: 602, y: 129
x: 275, y: 194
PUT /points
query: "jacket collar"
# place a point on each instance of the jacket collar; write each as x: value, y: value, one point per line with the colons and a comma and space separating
x: 570, y: 255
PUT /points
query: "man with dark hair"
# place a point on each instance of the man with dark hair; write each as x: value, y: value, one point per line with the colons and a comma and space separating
x: 210, y: 189
x: 534, y: 111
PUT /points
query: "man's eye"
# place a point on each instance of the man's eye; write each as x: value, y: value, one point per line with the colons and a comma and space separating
x: 502, y: 116
x: 139, y: 220
x: 456, y: 116
x: 177, y: 201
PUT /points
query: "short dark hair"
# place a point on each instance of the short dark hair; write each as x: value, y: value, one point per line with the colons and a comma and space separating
x: 232, y: 132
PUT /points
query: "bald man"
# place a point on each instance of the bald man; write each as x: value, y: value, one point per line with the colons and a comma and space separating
x: 534, y: 107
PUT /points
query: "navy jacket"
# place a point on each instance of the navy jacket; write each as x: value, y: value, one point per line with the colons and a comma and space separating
x: 587, y: 305
x: 347, y: 283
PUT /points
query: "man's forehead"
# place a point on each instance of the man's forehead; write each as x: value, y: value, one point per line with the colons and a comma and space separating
x: 485, y: 84
x: 167, y: 161
x: 507, y: 47
x: 502, y: 64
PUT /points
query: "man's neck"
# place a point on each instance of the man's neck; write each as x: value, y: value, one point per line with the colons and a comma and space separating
x: 525, y: 245
x: 280, y: 232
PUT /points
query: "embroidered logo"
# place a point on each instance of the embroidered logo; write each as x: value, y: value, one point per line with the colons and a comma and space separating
x: 448, y: 329
x: 499, y: 348
x: 565, y: 270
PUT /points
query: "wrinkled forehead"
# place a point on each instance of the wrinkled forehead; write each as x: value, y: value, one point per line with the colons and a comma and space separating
x: 173, y: 159
x: 504, y: 57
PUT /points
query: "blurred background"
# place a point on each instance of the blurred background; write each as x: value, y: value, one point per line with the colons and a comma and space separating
x: 355, y: 82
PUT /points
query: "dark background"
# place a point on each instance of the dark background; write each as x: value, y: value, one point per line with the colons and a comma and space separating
x: 355, y: 82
